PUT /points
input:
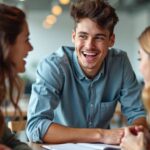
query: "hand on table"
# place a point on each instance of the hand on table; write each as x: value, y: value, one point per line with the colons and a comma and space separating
x: 134, y: 138
x: 113, y: 136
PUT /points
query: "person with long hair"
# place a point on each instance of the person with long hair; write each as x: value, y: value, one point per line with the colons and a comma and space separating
x: 135, y: 138
x: 14, y: 48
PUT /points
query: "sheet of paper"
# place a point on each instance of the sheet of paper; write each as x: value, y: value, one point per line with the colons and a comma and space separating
x: 67, y: 146
x: 80, y: 146
x: 99, y: 146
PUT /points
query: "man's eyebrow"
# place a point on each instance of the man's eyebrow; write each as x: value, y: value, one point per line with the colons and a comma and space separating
x: 101, y: 34
x: 83, y: 32
x: 98, y: 34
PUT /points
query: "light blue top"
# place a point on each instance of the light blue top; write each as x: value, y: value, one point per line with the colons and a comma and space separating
x: 63, y: 94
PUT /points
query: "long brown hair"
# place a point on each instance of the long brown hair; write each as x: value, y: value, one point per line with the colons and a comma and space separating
x: 144, y: 40
x: 146, y: 101
x: 11, y: 22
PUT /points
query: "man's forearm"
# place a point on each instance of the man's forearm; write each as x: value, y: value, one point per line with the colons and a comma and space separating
x: 60, y: 134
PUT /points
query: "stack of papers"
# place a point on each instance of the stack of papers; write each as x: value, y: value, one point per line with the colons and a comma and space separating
x: 81, y: 146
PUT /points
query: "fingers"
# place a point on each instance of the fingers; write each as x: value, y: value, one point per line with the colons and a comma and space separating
x: 127, y: 131
x: 135, y: 129
x: 122, y: 146
x: 131, y: 141
x: 139, y: 128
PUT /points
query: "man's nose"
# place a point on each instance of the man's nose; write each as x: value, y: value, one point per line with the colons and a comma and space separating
x: 90, y: 44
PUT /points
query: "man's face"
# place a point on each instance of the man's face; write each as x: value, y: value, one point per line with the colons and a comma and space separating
x: 91, y: 45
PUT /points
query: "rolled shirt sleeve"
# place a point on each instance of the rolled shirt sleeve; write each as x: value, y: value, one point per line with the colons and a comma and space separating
x: 44, y: 99
x: 130, y: 95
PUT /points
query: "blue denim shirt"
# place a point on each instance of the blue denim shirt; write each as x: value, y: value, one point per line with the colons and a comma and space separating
x: 63, y: 94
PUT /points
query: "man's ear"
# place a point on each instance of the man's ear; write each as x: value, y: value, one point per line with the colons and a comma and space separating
x: 112, y: 40
x: 73, y: 36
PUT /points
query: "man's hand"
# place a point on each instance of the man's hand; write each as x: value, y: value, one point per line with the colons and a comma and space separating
x: 113, y: 136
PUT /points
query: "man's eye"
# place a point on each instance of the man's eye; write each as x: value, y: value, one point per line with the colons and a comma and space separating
x: 99, y: 38
x: 82, y: 36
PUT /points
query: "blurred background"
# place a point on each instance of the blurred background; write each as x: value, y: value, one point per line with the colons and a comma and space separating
x: 50, y: 27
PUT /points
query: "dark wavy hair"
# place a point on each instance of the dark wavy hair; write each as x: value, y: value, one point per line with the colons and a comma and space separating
x: 11, y: 23
x: 98, y: 11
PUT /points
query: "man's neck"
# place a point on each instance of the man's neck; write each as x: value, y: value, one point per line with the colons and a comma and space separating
x: 91, y: 73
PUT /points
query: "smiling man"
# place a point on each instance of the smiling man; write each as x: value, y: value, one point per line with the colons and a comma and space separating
x: 77, y: 88
x: 91, y: 45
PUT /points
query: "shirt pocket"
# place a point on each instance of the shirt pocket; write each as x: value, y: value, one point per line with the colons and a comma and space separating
x: 107, y: 110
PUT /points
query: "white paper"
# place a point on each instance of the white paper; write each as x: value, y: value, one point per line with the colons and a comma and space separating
x: 99, y: 146
x: 67, y: 146
x: 80, y: 146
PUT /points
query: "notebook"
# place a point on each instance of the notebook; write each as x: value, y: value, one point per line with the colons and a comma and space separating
x: 81, y: 146
x: 100, y: 146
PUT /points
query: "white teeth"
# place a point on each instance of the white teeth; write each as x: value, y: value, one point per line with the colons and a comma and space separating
x: 25, y: 58
x: 90, y: 53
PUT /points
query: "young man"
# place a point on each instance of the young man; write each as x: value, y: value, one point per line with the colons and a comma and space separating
x: 77, y: 89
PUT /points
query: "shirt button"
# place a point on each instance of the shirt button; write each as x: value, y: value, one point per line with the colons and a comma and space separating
x: 90, y: 123
x: 91, y: 105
